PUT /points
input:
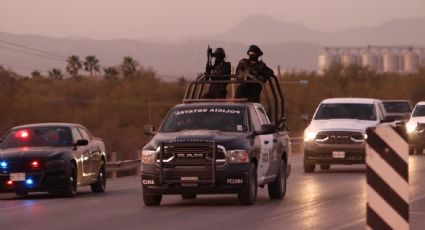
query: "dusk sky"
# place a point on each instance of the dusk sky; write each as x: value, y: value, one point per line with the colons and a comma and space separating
x: 177, y: 19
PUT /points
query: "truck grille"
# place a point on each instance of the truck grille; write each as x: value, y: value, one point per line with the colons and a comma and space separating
x: 340, y: 137
x: 191, y: 154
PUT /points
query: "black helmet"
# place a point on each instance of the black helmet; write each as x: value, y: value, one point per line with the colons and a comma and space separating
x: 255, y: 49
x: 219, y: 52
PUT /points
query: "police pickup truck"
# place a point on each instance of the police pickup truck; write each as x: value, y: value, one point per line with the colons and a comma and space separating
x: 225, y: 146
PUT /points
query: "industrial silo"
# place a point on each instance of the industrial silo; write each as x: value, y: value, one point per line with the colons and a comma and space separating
x: 370, y: 59
x: 349, y: 58
x: 326, y: 59
x: 411, y: 61
x: 391, y: 62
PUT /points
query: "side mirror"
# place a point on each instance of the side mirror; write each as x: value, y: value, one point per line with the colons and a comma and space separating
x: 149, y: 130
x: 305, y: 117
x: 82, y: 142
x: 267, y: 129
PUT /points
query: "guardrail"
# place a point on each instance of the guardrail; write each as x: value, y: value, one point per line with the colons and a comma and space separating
x: 115, y: 166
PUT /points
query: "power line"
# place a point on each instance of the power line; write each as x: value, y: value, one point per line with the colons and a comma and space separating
x: 33, y: 49
x: 22, y: 67
x: 26, y: 52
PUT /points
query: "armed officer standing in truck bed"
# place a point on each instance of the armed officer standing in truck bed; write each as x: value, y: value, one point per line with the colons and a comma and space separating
x: 254, y: 68
x: 220, y: 70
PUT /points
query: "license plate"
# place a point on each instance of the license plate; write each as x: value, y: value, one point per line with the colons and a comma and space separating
x: 188, y: 178
x: 17, y: 176
x: 338, y: 154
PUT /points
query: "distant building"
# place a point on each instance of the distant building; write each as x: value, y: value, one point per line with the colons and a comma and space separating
x: 394, y: 59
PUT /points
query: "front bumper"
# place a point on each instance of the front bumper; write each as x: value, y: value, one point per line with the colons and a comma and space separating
x: 42, y: 180
x: 194, y: 180
x: 323, y: 153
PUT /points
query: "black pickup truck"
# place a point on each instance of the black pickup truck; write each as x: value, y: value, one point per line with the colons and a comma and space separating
x: 225, y: 146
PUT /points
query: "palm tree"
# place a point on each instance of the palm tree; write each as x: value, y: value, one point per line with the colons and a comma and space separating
x: 91, y: 65
x: 111, y: 73
x: 36, y: 74
x: 128, y: 66
x: 74, y: 65
x: 56, y: 74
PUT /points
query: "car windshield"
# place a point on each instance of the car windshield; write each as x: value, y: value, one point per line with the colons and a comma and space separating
x: 37, y: 137
x: 397, y: 106
x: 346, y: 111
x: 223, y: 118
x: 419, y: 111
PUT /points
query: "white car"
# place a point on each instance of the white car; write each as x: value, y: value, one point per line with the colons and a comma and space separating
x: 337, y: 132
x: 416, y: 129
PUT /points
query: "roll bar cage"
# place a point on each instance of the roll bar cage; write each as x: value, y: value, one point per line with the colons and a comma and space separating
x: 272, y: 93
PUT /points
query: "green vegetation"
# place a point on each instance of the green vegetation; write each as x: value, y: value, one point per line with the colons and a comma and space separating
x: 115, y: 110
x: 352, y: 81
x: 117, y: 107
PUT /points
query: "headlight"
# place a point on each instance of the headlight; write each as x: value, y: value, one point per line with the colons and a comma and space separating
x: 148, y: 157
x: 238, y: 156
x: 411, y: 127
x: 309, y: 136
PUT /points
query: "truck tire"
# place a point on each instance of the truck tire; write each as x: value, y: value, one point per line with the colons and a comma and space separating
x: 249, y: 194
x: 151, y: 200
x: 411, y: 150
x: 277, y: 189
x: 325, y: 167
x: 308, y: 168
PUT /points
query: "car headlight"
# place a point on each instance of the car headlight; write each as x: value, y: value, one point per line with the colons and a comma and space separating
x: 411, y: 127
x: 309, y: 136
x: 238, y: 156
x: 148, y: 157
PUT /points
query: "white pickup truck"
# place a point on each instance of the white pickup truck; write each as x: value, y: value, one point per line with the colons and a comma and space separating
x: 337, y: 132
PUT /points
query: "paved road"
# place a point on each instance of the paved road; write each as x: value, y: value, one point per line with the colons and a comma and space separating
x: 323, y: 200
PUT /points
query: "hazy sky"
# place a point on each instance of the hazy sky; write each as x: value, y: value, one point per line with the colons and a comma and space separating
x: 135, y: 19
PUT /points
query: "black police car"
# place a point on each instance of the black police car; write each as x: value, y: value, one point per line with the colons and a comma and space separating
x: 52, y: 157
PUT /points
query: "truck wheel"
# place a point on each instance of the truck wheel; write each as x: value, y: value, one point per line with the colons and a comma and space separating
x: 71, y: 183
x: 411, y: 150
x: 277, y: 189
x: 188, y: 196
x: 249, y: 193
x: 151, y: 200
x: 308, y: 168
x: 325, y: 167
x: 100, y: 184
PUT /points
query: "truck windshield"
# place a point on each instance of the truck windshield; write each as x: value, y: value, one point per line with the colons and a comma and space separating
x: 37, y: 137
x: 397, y: 106
x: 223, y: 118
x: 346, y: 111
x: 419, y: 111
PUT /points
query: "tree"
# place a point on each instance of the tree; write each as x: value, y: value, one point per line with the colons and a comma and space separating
x: 111, y: 73
x: 128, y: 66
x: 36, y: 74
x: 56, y: 74
x: 91, y: 65
x: 74, y: 65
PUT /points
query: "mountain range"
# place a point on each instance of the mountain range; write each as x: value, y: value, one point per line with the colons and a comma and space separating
x: 290, y: 45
